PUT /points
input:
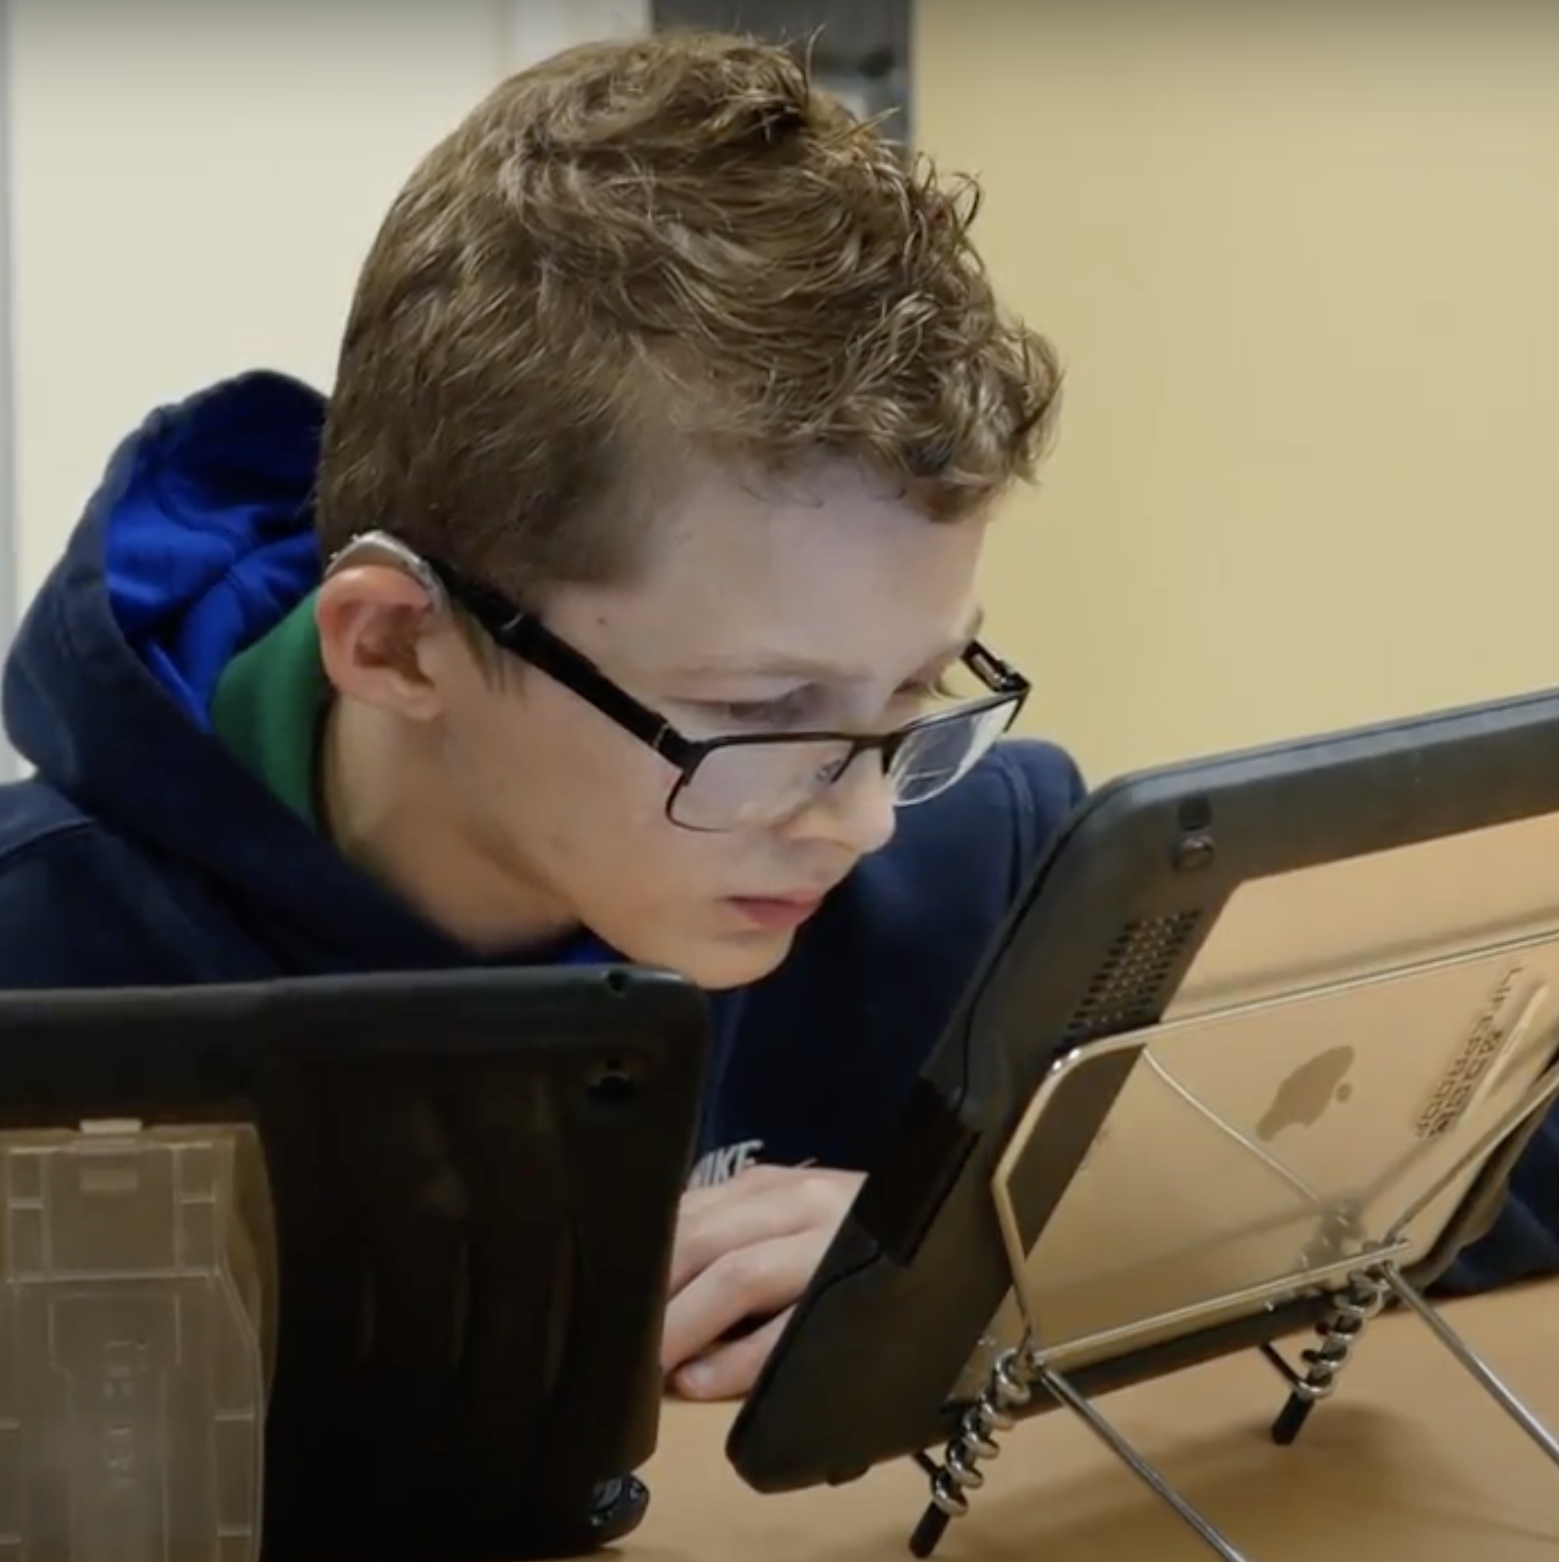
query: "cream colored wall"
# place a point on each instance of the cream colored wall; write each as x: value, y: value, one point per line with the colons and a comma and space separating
x: 1306, y: 279
x: 194, y: 185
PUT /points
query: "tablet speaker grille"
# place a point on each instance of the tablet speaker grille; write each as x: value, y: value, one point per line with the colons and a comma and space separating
x: 1127, y: 988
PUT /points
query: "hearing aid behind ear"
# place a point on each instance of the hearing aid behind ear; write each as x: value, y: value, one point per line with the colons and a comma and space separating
x: 382, y: 547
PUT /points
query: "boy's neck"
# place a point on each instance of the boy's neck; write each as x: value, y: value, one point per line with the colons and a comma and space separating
x: 380, y: 805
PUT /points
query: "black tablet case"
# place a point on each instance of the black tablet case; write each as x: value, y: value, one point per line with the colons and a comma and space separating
x: 474, y: 1178
x: 1096, y: 946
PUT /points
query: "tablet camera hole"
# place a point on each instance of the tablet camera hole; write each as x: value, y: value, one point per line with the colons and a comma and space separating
x: 1195, y: 815
x: 1195, y: 850
x: 614, y: 1083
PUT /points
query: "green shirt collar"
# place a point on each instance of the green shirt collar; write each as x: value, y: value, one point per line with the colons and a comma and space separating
x: 268, y: 706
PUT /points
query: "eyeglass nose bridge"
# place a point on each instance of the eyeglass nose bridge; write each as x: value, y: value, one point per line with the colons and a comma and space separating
x: 886, y: 745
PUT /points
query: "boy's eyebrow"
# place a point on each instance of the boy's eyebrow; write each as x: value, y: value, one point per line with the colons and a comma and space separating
x: 757, y: 663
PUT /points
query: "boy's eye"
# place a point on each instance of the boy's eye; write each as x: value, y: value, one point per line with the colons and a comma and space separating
x: 800, y: 706
x: 784, y: 710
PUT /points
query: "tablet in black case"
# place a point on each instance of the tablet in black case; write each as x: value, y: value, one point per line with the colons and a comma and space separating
x: 1287, y: 973
x: 457, y: 1194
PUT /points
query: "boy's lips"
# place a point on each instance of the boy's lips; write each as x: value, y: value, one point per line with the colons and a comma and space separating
x: 776, y: 913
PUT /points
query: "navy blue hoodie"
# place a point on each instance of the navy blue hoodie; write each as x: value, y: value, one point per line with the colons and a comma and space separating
x: 142, y: 852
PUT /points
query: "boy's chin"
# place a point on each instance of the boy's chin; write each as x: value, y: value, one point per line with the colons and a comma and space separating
x: 718, y: 964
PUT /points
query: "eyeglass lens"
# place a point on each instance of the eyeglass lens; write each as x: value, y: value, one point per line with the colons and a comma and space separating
x: 749, y: 784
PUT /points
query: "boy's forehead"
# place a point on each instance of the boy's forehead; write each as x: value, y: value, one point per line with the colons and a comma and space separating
x: 824, y: 570
x: 781, y: 658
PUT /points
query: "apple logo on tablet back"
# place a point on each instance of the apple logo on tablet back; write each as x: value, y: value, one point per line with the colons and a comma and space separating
x: 1306, y: 1096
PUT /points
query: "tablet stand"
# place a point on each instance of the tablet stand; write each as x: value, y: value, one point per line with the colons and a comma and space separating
x: 137, y: 1295
x: 1362, y: 1284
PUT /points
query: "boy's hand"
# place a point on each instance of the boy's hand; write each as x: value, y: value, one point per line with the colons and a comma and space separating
x: 745, y: 1251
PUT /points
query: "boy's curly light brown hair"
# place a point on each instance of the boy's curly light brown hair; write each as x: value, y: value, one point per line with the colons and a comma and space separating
x: 642, y: 248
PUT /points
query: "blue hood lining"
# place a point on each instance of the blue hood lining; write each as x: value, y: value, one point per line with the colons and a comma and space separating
x: 210, y: 541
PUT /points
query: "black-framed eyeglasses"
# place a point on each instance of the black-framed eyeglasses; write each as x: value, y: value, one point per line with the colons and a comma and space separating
x: 745, y: 780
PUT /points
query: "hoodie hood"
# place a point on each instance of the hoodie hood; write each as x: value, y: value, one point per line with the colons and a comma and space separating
x: 197, y: 542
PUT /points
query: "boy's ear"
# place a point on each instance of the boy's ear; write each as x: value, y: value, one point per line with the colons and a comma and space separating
x: 380, y: 638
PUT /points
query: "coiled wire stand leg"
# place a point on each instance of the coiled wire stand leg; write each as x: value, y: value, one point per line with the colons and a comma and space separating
x: 1006, y: 1390
x: 1337, y: 1337
x: 1011, y: 1385
x: 1378, y: 1279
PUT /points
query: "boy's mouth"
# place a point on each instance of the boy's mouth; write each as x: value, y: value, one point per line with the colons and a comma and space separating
x: 775, y: 913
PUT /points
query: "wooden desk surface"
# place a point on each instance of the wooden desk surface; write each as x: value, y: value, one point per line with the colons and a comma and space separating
x: 1408, y: 1460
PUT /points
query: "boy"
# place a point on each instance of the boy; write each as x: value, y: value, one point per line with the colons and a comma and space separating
x: 670, y: 408
x: 668, y: 420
